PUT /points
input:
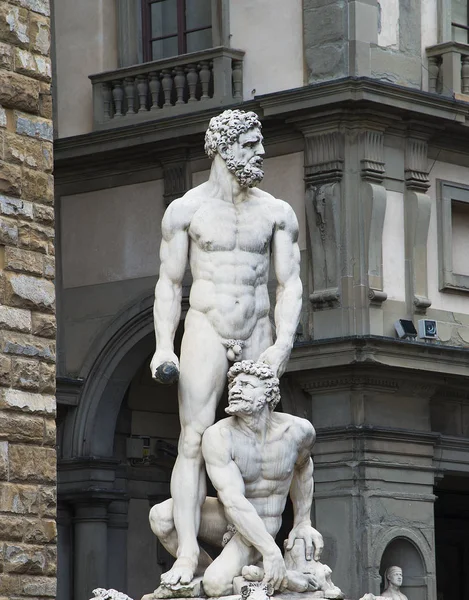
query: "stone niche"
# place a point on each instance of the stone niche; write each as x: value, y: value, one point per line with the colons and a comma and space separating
x: 404, y: 553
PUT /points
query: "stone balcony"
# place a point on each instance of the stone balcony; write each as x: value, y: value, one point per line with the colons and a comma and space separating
x: 168, y: 87
x: 448, y: 69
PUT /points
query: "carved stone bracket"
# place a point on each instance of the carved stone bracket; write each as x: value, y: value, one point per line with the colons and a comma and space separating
x: 176, y: 179
x: 324, y: 160
x: 372, y: 163
x: 416, y: 169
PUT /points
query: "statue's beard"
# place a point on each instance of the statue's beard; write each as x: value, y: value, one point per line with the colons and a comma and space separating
x: 240, y: 406
x: 248, y: 174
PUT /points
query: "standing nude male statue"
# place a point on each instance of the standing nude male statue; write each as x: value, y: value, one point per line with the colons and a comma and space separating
x: 255, y: 458
x: 228, y: 231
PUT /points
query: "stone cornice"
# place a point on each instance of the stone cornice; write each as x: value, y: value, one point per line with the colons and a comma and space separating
x: 148, y: 140
x: 375, y: 354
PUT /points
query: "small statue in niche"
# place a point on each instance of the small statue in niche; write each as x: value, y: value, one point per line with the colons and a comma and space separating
x: 392, y: 583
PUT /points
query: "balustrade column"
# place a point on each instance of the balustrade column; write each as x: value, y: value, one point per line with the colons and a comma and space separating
x: 205, y: 76
x: 130, y: 95
x: 154, y: 85
x: 192, y: 79
x: 433, y: 72
x: 142, y: 88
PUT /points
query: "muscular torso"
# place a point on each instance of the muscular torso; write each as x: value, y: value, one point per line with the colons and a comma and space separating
x: 229, y: 258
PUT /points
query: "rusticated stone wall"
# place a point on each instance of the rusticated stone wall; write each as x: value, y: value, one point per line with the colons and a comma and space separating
x: 27, y: 304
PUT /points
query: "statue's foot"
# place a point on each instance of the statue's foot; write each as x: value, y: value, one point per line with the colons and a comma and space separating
x: 181, y: 572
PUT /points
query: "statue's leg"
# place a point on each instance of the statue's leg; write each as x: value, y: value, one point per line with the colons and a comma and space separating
x: 218, y: 578
x: 203, y: 368
x: 260, y: 340
x: 213, y: 525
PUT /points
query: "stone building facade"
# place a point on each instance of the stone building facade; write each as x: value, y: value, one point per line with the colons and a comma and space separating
x: 28, y: 556
x: 364, y: 105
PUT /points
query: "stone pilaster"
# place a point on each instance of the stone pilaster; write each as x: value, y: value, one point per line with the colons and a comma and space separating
x: 27, y: 304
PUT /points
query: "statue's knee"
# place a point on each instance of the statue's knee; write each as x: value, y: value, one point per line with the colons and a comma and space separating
x: 216, y: 583
x: 161, y: 519
x: 190, y: 444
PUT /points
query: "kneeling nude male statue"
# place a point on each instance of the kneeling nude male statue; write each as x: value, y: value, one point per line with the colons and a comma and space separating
x: 255, y: 458
x: 228, y: 230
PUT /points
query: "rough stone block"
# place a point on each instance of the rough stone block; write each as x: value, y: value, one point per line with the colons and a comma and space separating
x: 9, y: 584
x: 38, y: 186
x: 31, y: 463
x: 11, y: 529
x: 3, y: 467
x: 325, y: 24
x: 15, y: 207
x: 21, y: 344
x: 16, y: 427
x: 36, y: 127
x: 19, y: 499
x: 23, y: 151
x: 48, y: 501
x: 44, y: 325
x: 39, y: 6
x: 14, y: 25
x: 49, y: 267
x: 28, y: 402
x: 10, y: 178
x: 6, y: 56
x: 23, y: 261
x: 5, y: 370
x: 329, y: 61
x: 32, y: 65
x: 21, y: 558
x: 38, y: 586
x: 35, y: 236
x: 16, y: 319
x: 51, y: 557
x: 47, y: 378
x: 50, y: 433
x: 18, y: 91
x: 3, y: 117
x: 45, y: 105
x: 39, y: 32
x: 25, y: 375
x: 41, y: 531
x: 48, y: 156
x: 8, y: 232
x: 29, y: 292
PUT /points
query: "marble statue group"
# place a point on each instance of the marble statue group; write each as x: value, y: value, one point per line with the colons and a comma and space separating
x: 229, y: 232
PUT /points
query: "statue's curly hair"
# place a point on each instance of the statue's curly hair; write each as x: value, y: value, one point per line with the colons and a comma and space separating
x: 225, y: 129
x: 261, y: 371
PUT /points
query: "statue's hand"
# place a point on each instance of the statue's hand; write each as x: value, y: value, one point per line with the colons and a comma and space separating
x: 275, y: 571
x: 164, y: 367
x: 312, y: 538
x: 276, y: 357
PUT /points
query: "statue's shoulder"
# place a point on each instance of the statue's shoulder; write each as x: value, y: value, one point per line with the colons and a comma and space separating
x: 299, y: 428
x: 181, y: 210
x: 282, y: 212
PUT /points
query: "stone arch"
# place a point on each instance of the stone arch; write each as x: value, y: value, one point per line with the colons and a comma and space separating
x: 111, y: 363
x: 412, y: 551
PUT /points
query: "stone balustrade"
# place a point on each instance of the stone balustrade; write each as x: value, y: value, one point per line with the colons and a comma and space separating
x: 448, y: 68
x: 167, y: 87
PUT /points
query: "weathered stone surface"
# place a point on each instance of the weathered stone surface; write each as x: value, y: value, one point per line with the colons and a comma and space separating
x: 32, y: 463
x: 38, y: 186
x: 5, y: 370
x: 16, y: 427
x: 8, y: 232
x: 36, y: 127
x: 51, y: 564
x: 14, y: 25
x: 48, y: 501
x: 25, y: 375
x: 47, y: 378
x: 10, y: 178
x: 19, y: 499
x: 27, y: 402
x: 18, y: 91
x: 9, y: 584
x: 48, y: 155
x: 32, y: 65
x: 44, y: 325
x: 49, y: 267
x: 3, y: 464
x: 16, y: 319
x: 16, y: 207
x: 39, y: 6
x: 29, y: 292
x: 3, y: 117
x: 23, y: 151
x: 35, y: 236
x: 23, y: 261
x: 22, y: 344
x: 39, y: 32
x: 41, y: 531
x: 38, y: 586
x: 22, y: 558
x: 50, y: 432
x: 6, y: 56
x: 45, y: 105
x: 11, y: 528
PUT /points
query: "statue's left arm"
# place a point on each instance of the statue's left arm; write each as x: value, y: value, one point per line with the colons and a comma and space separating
x: 301, y: 493
x: 286, y: 263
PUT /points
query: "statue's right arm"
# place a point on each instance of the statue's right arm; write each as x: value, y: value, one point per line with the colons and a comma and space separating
x: 228, y: 481
x: 168, y: 291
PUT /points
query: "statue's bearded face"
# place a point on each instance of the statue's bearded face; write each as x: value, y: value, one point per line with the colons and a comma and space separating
x: 246, y: 395
x: 244, y: 158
